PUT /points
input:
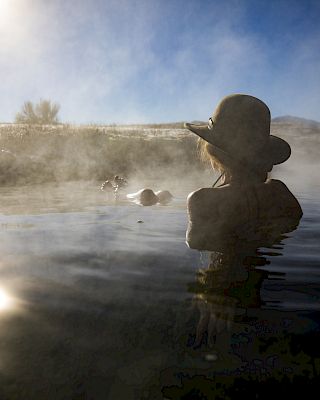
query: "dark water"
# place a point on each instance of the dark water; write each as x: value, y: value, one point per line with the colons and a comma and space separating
x: 94, y: 305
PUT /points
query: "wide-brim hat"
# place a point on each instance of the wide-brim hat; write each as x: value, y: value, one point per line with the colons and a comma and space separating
x: 239, y: 134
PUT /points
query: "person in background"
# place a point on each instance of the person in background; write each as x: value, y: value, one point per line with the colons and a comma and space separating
x: 144, y: 197
x: 147, y: 197
x: 108, y: 188
x: 119, y: 182
x: 114, y: 186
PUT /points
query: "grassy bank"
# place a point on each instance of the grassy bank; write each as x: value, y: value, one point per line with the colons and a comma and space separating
x: 34, y: 154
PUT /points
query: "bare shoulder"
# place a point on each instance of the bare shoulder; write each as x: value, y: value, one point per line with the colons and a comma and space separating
x: 279, y: 193
x: 208, y: 204
x: 203, y: 193
x: 205, y: 197
x: 276, y: 184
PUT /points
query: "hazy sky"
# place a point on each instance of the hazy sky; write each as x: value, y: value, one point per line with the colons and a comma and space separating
x: 158, y: 60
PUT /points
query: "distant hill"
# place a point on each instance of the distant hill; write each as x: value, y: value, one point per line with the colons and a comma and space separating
x: 284, y: 120
x: 289, y: 119
x: 302, y: 134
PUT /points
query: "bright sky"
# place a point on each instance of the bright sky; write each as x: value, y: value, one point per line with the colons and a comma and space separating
x: 136, y: 61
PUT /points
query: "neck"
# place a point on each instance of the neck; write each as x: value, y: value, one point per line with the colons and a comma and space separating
x: 240, y: 178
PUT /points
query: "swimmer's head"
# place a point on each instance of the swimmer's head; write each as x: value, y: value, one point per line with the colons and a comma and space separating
x: 164, y: 196
x: 147, y: 197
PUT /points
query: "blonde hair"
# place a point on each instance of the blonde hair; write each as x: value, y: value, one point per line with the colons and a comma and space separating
x: 208, y: 158
x: 249, y: 176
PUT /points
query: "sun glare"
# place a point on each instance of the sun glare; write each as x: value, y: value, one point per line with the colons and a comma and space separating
x: 4, y: 7
x: 6, y: 12
x: 5, y: 300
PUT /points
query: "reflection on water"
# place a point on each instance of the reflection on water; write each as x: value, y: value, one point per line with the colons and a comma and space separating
x: 114, y: 309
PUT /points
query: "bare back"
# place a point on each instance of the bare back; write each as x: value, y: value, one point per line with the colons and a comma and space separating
x: 239, y: 211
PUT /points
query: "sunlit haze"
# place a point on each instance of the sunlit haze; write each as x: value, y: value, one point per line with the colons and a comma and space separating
x: 137, y: 61
x: 5, y: 300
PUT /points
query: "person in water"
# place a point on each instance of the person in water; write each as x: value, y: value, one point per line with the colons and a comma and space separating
x: 233, y: 220
x: 238, y: 144
x: 114, y: 186
x: 147, y: 197
x: 144, y: 197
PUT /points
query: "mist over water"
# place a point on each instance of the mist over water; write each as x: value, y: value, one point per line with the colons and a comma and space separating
x: 94, y: 304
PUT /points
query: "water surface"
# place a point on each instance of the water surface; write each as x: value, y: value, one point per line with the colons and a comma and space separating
x: 96, y: 305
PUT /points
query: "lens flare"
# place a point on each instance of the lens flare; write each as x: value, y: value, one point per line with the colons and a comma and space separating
x: 5, y: 300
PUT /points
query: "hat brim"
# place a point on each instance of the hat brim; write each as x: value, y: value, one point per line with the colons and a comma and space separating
x: 201, y: 130
x: 276, y: 151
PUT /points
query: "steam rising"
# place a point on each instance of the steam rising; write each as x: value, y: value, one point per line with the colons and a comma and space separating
x: 160, y: 157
